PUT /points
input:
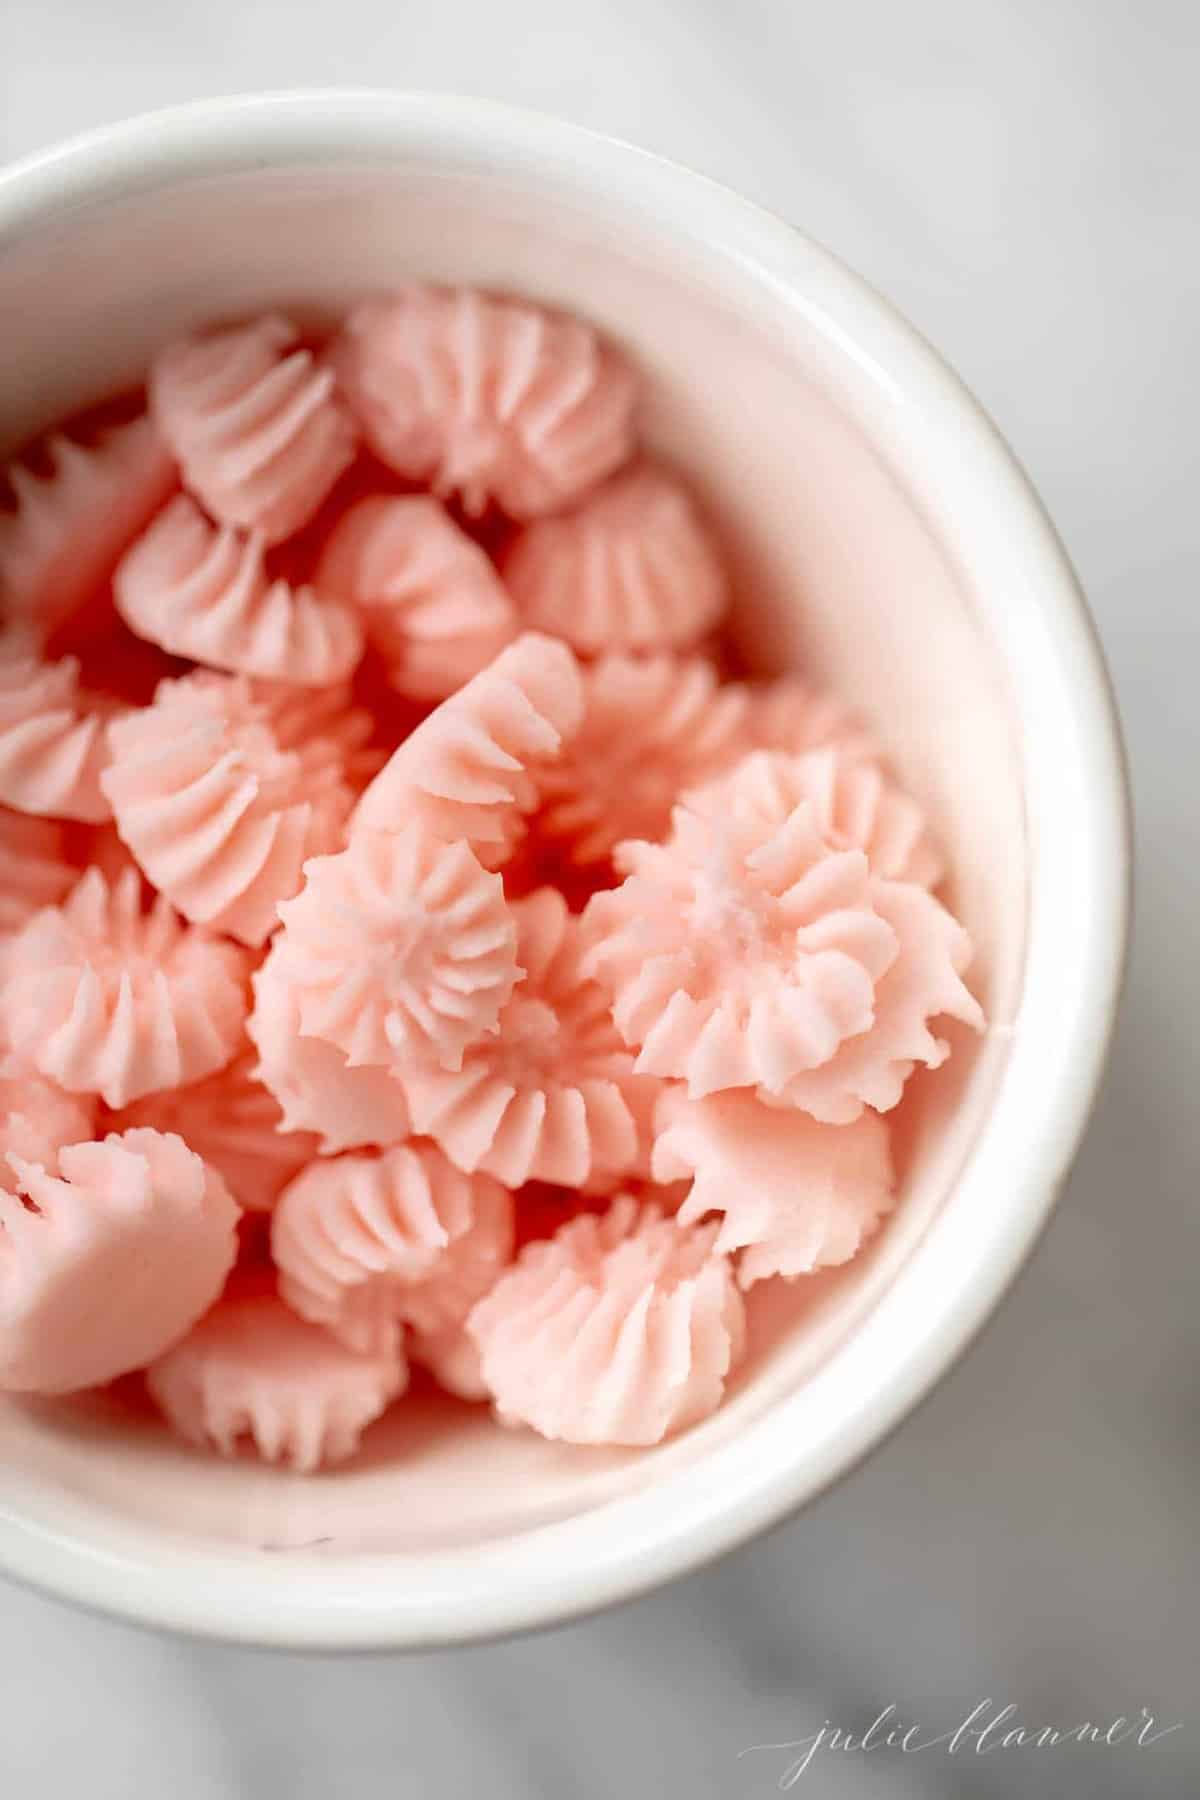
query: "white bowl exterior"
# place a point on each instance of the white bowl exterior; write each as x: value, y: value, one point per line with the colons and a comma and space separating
x: 884, y: 540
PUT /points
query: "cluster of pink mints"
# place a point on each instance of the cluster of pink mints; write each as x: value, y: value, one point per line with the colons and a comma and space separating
x: 413, y: 949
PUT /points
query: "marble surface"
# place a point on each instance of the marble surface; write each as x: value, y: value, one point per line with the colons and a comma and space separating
x: 1022, y: 179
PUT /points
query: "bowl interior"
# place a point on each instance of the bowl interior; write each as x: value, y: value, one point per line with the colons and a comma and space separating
x: 844, y: 571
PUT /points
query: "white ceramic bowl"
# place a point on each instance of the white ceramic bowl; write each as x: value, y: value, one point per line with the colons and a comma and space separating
x: 884, y: 540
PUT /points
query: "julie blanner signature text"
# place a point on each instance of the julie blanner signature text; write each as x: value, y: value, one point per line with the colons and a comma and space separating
x: 990, y: 1727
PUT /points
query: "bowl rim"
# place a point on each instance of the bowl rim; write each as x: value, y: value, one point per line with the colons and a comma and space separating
x: 1074, y: 965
